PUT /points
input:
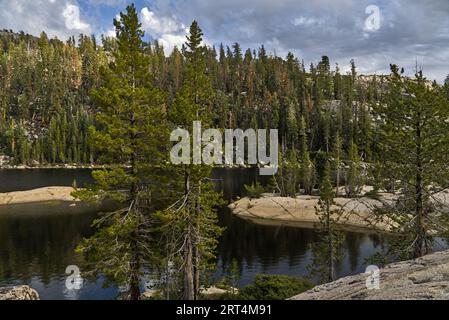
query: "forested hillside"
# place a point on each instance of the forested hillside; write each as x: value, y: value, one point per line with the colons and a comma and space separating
x: 46, y: 85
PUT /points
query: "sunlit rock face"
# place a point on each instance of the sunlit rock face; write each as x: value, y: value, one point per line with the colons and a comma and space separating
x: 426, y: 278
x: 18, y: 293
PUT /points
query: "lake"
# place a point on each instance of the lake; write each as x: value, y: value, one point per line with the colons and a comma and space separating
x: 36, y: 249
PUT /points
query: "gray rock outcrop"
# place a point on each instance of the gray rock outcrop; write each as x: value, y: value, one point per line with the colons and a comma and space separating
x: 426, y: 278
x: 18, y: 293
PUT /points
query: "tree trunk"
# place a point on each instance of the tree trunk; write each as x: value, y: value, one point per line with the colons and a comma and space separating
x: 420, y: 229
x: 196, y: 271
x: 197, y: 253
x: 419, y: 218
x: 337, y: 191
x: 134, y: 283
x: 331, y: 276
x: 189, y: 288
x: 134, y: 286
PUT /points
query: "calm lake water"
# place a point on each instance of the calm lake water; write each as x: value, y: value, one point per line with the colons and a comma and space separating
x: 36, y: 249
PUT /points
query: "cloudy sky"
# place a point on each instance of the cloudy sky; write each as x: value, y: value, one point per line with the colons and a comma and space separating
x: 374, y: 33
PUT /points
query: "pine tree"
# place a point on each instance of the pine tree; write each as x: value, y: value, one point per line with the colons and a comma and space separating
x: 353, y: 178
x: 131, y: 129
x: 306, y: 165
x: 324, y: 78
x: 327, y: 252
x: 191, y: 225
x: 337, y: 83
x: 290, y: 174
x: 414, y: 136
x: 338, y: 154
x: 233, y: 275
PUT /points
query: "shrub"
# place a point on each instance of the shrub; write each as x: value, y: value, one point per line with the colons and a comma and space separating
x: 271, y: 287
x: 254, y: 191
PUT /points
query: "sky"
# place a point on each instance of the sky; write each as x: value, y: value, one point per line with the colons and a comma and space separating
x: 374, y: 33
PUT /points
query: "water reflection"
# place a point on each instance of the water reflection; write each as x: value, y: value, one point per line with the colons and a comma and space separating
x: 36, y: 248
x: 19, y: 179
x: 284, y: 250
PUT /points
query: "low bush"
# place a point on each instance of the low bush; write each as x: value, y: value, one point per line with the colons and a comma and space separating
x: 271, y: 287
x: 254, y: 191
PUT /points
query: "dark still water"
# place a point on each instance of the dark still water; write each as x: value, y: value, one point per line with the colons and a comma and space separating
x: 284, y: 250
x: 36, y: 249
x: 20, y: 179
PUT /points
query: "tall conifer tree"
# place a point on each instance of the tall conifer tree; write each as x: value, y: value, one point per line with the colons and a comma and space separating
x: 129, y: 138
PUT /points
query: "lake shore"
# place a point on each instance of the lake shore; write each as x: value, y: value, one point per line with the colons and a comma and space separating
x: 75, y: 166
x: 51, y: 166
x: 47, y: 201
x: 47, y: 194
x: 356, y: 213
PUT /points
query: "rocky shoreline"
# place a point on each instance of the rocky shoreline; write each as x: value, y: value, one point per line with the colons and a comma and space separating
x: 53, y: 166
x: 47, y: 201
x: 426, y: 278
x: 18, y: 293
x: 47, y: 194
x: 356, y: 213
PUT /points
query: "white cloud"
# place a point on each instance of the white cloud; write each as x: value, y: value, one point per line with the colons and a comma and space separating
x: 329, y: 27
x: 160, y: 25
x: 110, y: 33
x: 309, y: 28
x: 166, y: 29
x: 169, y: 41
x: 73, y: 21
x: 57, y: 18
